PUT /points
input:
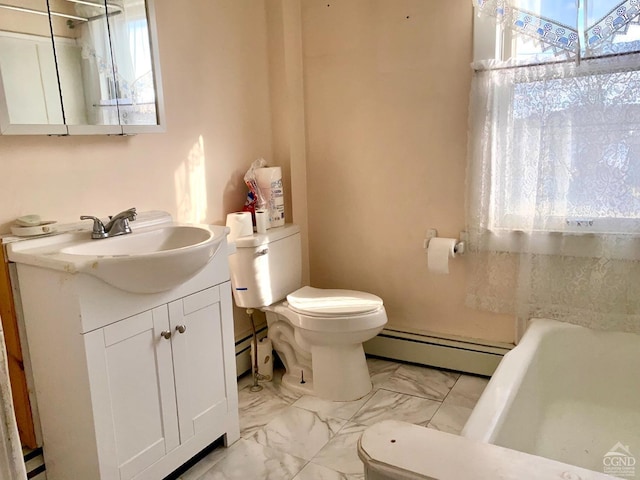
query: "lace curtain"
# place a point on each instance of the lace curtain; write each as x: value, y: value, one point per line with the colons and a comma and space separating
x: 553, y: 201
x: 569, y: 28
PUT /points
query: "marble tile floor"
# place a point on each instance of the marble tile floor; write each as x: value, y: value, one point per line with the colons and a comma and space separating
x: 286, y: 436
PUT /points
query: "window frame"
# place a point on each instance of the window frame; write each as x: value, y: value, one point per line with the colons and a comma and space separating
x: 498, y: 47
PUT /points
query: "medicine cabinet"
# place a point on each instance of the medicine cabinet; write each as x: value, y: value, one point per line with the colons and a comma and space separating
x: 79, y: 67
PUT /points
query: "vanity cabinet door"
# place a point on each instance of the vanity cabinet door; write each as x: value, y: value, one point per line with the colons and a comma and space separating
x: 133, y: 393
x: 199, y: 363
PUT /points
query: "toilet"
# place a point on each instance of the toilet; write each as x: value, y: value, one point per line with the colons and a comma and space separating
x: 318, y: 333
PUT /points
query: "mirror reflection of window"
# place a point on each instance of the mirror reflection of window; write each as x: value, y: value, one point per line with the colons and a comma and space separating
x: 132, y: 56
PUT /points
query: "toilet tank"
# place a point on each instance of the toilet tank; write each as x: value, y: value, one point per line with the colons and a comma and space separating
x: 266, y: 267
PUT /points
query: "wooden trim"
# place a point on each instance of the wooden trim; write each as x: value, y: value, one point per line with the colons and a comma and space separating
x: 19, y: 389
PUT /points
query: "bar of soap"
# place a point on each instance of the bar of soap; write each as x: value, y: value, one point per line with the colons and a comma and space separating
x: 29, y: 221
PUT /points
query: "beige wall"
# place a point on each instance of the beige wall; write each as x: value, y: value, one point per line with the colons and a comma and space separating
x: 386, y: 85
x: 385, y: 104
x: 288, y: 114
x: 215, y: 74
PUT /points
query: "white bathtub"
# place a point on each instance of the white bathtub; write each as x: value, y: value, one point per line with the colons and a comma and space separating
x: 566, y: 393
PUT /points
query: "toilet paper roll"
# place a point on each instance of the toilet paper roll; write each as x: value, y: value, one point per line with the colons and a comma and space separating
x: 265, y: 359
x: 262, y: 221
x: 439, y: 251
x: 240, y: 224
x: 270, y: 184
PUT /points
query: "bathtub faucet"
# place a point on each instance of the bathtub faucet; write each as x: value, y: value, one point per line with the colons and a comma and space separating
x: 117, y: 225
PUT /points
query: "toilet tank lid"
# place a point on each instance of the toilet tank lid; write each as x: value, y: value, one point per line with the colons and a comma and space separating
x: 273, y: 234
x: 321, y: 301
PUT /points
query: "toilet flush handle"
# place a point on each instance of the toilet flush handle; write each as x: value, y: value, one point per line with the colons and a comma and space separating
x: 262, y: 252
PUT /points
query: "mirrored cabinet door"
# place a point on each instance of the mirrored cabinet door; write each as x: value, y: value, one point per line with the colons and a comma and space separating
x: 29, y: 94
x: 88, y: 82
x: 132, y: 40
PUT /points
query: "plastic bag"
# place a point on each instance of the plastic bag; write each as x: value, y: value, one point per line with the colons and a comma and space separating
x: 250, y: 206
x: 252, y: 183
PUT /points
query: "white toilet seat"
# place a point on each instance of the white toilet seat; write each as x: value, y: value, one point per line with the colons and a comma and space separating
x: 332, y: 310
x: 323, y: 302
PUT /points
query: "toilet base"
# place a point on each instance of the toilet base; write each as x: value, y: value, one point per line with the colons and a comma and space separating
x: 352, y: 382
x: 333, y: 364
x: 293, y: 382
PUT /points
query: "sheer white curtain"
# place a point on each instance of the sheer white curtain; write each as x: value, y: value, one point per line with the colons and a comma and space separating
x: 130, y: 42
x: 569, y: 28
x: 132, y: 53
x: 553, y: 199
x: 97, y: 67
x: 125, y: 40
x: 553, y: 25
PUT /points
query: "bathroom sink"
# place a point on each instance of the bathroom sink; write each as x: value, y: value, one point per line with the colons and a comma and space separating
x: 149, y: 260
x: 163, y: 239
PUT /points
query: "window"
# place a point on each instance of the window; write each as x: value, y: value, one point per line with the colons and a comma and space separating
x: 553, y: 186
x: 567, y: 154
x: 564, y: 137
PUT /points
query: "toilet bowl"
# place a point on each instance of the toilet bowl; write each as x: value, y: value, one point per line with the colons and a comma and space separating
x: 317, y: 333
x: 331, y: 325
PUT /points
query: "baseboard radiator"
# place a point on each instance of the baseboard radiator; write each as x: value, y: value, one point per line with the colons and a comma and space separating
x: 431, y: 350
x: 434, y: 350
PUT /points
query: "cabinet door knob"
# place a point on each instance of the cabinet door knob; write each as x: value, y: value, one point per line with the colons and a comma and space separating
x: 166, y: 334
x: 181, y: 328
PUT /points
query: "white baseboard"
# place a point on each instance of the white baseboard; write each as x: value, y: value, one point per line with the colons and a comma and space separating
x: 243, y: 351
x: 434, y: 350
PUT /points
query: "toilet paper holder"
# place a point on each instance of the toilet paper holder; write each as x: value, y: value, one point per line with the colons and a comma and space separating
x: 459, y: 247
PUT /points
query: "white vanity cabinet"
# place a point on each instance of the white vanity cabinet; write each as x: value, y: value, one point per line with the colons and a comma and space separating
x: 148, y: 371
x: 129, y: 386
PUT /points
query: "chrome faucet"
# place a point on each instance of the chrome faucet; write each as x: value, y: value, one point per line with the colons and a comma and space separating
x: 117, y: 225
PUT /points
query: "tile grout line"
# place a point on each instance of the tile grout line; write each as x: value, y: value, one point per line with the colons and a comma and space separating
x: 303, y: 467
x: 388, y: 389
x: 416, y: 396
x: 443, y: 400
x: 386, y: 374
